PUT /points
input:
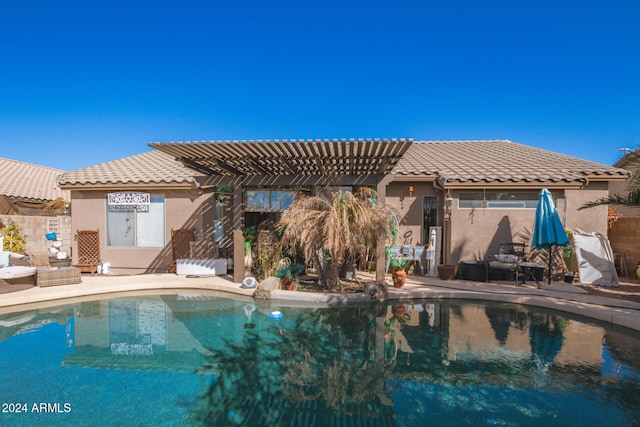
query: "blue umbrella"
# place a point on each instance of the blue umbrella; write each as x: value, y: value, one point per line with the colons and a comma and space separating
x: 547, y: 229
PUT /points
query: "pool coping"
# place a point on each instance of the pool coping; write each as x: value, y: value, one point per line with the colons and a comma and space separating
x: 559, y: 296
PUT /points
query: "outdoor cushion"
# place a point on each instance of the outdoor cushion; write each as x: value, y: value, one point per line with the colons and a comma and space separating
x: 16, y: 272
x: 506, y: 258
x: 200, y: 267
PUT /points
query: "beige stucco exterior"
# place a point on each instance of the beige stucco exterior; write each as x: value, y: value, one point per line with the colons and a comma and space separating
x: 183, y: 209
x: 474, y: 233
x: 432, y: 171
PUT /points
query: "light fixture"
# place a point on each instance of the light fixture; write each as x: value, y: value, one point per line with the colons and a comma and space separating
x: 65, y: 213
x: 410, y: 190
x: 448, y: 206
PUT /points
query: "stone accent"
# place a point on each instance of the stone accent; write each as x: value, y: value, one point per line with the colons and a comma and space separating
x: 266, y: 287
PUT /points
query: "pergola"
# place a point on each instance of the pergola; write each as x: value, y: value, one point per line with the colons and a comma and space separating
x: 288, y: 162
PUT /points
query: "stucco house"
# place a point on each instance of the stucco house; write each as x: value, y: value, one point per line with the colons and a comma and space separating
x: 475, y: 194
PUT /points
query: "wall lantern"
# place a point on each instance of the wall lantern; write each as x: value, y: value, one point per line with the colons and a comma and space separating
x: 410, y: 190
x: 65, y: 213
x: 448, y: 206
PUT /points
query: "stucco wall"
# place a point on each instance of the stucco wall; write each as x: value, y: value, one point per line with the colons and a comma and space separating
x: 477, y: 233
x: 183, y: 209
x: 409, y: 208
x: 592, y: 219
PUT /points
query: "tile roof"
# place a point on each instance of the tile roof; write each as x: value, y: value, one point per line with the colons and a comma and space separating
x: 30, y: 182
x: 151, y: 167
x: 498, y: 162
x: 630, y: 161
x: 461, y: 162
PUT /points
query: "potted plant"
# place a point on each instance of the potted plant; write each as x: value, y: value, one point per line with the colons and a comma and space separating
x: 568, y: 253
x: 399, y: 268
x: 288, y: 275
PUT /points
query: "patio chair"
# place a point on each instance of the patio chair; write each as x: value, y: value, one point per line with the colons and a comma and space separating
x: 512, y: 262
x: 88, y: 250
x: 419, y: 254
x: 181, y: 239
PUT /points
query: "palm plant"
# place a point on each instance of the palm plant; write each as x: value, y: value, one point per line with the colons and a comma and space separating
x: 331, y: 229
x: 630, y: 199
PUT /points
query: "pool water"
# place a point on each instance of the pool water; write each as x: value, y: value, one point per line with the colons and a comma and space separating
x: 208, y: 360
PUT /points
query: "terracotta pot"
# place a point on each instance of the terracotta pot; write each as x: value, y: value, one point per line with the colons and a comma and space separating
x: 287, y: 284
x: 399, y: 278
x: 398, y: 311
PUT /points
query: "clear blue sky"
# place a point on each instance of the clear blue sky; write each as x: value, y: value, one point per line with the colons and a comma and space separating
x: 84, y: 82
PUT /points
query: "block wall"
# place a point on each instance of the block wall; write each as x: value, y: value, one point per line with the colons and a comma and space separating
x: 624, y: 237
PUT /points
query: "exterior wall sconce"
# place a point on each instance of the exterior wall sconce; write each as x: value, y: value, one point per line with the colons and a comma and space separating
x: 410, y: 190
x: 448, y: 206
x: 65, y: 213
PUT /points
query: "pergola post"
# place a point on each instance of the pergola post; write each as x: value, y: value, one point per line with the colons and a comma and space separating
x: 381, y: 254
x: 238, y: 235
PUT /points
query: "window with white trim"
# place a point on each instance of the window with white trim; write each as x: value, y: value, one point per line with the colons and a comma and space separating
x: 135, y: 220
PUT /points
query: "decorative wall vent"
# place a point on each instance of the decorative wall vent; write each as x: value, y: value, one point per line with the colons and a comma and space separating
x: 126, y: 201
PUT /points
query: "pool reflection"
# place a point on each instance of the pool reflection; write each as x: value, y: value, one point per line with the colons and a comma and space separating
x: 363, y: 363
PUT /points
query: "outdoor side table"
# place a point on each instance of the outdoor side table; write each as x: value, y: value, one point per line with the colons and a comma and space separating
x: 531, y: 271
x: 55, y: 276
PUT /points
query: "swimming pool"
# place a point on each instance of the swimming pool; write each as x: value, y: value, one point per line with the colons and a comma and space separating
x: 211, y: 360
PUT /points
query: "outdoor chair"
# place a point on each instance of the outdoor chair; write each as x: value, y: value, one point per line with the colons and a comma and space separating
x: 512, y: 263
x: 181, y: 239
x: 419, y: 253
x: 413, y: 254
x: 88, y: 250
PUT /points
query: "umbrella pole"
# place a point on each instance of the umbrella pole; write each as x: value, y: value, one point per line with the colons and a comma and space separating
x: 550, y: 256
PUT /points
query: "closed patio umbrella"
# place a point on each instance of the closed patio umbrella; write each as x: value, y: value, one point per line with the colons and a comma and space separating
x: 547, y: 229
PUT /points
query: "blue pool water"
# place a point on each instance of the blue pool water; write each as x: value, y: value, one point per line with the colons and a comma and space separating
x: 183, y: 360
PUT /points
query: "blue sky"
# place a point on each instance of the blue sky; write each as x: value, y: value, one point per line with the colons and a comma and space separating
x: 84, y: 82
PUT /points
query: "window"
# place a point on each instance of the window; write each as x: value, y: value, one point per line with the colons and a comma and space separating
x: 135, y: 220
x: 269, y: 200
x: 523, y: 199
x: 53, y: 225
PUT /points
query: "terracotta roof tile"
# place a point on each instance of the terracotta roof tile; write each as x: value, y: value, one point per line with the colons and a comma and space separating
x: 27, y: 181
x: 497, y: 161
x: 151, y: 167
